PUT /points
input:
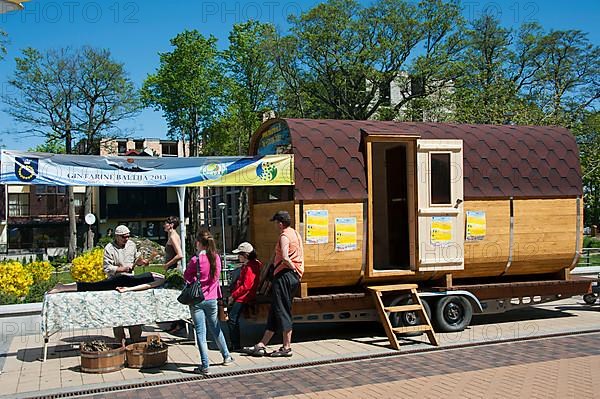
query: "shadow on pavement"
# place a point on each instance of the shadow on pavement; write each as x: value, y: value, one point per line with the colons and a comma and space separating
x: 583, y: 307
x: 524, y: 314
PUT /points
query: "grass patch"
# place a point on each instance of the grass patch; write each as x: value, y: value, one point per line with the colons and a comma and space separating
x: 590, y: 260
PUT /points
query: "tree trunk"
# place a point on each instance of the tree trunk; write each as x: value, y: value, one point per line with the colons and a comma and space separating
x: 242, y: 216
x: 596, y: 205
x: 194, y: 191
x: 72, y: 225
x: 72, y: 251
x: 89, y: 240
x: 194, y: 222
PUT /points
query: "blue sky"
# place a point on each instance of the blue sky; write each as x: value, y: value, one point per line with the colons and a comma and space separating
x: 136, y: 31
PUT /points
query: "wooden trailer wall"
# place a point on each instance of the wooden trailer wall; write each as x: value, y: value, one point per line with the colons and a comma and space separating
x: 545, y: 236
x: 263, y: 232
x: 541, y: 244
x: 324, y: 267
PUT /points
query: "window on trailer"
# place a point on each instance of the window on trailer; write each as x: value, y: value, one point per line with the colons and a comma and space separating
x: 440, y: 179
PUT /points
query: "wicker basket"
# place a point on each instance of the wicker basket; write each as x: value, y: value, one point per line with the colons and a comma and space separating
x: 138, y: 355
x: 103, y: 362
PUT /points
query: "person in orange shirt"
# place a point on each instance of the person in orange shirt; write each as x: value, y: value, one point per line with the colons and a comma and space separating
x: 243, y: 291
x: 288, y: 269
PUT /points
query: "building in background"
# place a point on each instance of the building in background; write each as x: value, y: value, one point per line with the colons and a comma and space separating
x: 210, y: 198
x: 34, y: 218
x: 437, y: 106
x: 142, y: 209
x: 153, y: 147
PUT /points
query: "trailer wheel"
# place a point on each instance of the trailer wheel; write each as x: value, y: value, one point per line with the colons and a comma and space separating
x: 453, y: 313
x: 408, y: 319
x: 590, y: 299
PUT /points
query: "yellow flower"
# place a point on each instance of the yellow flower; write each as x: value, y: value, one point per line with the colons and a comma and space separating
x: 39, y: 270
x: 14, y: 279
x: 88, y: 266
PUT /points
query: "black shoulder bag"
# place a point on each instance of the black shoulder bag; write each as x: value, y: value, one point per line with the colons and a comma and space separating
x: 192, y: 293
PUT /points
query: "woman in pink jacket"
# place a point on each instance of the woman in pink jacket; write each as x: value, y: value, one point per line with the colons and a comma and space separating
x: 205, y: 313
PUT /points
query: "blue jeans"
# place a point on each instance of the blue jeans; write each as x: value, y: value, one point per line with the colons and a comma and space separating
x: 235, y: 313
x: 205, y: 314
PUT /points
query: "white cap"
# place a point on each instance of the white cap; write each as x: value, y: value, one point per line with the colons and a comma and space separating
x: 245, y: 247
x: 121, y: 230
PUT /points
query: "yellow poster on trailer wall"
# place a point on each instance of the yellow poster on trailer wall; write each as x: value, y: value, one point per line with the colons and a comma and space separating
x: 441, y: 230
x: 345, y: 234
x: 476, y: 226
x: 317, y: 227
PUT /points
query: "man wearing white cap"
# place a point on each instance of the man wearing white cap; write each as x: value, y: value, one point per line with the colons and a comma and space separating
x: 121, y: 257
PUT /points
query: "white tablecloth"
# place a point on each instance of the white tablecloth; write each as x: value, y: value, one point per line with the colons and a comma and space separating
x: 99, y: 309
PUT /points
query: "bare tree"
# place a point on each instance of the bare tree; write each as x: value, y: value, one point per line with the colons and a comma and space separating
x: 106, y: 96
x: 44, y: 104
x: 66, y: 95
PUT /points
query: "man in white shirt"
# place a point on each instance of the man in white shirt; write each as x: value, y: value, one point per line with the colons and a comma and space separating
x: 121, y: 257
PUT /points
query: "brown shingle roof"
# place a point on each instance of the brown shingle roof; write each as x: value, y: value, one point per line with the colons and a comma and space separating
x: 499, y: 161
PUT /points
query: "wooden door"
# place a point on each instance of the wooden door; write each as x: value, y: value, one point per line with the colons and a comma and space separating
x: 440, y: 204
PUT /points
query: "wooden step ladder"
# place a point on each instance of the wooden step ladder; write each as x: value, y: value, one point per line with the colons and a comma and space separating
x: 416, y: 306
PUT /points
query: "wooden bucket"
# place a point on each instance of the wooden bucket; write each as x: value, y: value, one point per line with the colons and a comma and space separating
x: 103, y: 362
x: 138, y: 355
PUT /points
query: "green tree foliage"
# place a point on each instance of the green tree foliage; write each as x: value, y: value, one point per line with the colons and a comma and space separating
x: 293, y: 99
x: 426, y: 93
x: 392, y: 59
x: 569, y: 77
x: 51, y: 147
x: 252, y: 90
x: 3, y: 42
x: 526, y: 75
x: 251, y: 78
x: 188, y: 87
x: 346, y: 53
x: 223, y: 135
x: 588, y: 137
x: 498, y: 63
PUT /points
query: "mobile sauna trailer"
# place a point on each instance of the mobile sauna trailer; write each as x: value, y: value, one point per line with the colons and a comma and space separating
x: 490, y: 216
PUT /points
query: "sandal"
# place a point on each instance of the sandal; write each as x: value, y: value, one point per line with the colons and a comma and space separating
x: 175, y: 328
x: 256, y: 351
x: 282, y: 352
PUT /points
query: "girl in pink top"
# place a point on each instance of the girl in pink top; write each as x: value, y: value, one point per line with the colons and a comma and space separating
x: 209, y: 271
x: 205, y: 313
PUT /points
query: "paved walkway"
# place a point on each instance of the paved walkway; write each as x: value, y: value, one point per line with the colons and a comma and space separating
x: 24, y: 375
x: 567, y: 367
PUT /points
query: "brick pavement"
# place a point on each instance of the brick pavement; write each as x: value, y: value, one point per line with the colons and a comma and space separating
x: 561, y: 367
x: 23, y: 373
